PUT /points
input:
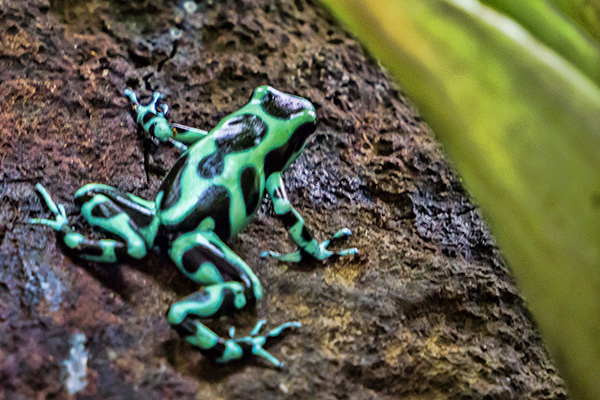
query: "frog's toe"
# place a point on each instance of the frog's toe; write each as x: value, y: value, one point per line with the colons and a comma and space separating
x: 288, y: 325
x: 259, y: 351
x: 342, y: 233
x: 258, y: 327
x: 270, y: 254
x: 347, y: 252
x: 296, y: 256
x: 130, y: 94
x: 54, y: 224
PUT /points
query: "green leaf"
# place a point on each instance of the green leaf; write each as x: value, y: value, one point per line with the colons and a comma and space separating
x: 585, y: 13
x: 552, y: 28
x: 522, y: 125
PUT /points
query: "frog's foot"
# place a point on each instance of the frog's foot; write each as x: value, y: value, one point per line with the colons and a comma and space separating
x: 60, y: 216
x: 320, y: 253
x: 254, y: 343
x: 155, y: 107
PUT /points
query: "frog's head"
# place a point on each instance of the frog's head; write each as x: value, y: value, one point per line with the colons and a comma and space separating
x: 299, y: 117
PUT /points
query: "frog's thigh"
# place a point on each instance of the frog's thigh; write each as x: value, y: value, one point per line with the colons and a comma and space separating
x: 102, y: 212
x: 139, y: 210
x: 206, y: 259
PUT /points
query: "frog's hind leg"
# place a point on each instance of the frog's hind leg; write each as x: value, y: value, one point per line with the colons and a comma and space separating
x: 230, y: 286
x: 130, y: 218
x: 102, y: 250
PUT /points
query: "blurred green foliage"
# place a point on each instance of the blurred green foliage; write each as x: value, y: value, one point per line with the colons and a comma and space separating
x: 511, y: 89
x: 585, y: 13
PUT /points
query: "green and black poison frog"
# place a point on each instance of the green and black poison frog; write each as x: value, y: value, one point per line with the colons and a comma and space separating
x: 210, y: 194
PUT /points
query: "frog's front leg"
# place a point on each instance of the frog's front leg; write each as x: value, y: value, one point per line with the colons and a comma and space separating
x: 294, y: 223
x: 152, y: 119
x: 230, y: 286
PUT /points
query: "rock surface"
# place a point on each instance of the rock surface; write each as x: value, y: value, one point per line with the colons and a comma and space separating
x: 427, y: 310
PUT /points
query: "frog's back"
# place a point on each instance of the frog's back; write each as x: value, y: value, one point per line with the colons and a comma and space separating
x: 220, y: 177
x: 219, y: 182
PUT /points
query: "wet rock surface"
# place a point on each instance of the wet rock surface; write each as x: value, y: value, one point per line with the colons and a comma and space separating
x: 427, y: 310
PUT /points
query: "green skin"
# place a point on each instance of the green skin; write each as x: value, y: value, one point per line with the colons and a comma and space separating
x: 211, y: 194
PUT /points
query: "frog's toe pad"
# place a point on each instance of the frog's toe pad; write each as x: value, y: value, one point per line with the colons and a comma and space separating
x: 348, y: 252
x: 342, y: 233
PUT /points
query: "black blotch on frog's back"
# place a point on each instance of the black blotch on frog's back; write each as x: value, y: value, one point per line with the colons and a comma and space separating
x: 281, y: 105
x: 250, y: 182
x: 239, y: 133
x: 214, y: 202
x: 171, y: 186
x: 277, y: 158
x: 212, y: 165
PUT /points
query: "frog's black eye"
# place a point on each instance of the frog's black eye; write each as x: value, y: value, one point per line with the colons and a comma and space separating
x: 282, y: 105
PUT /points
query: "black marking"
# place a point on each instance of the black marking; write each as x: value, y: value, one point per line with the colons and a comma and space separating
x: 282, y: 105
x: 84, y: 198
x: 121, y: 251
x: 123, y: 202
x: 185, y: 328
x: 306, y: 235
x: 278, y: 193
x: 288, y: 219
x: 193, y: 258
x: 240, y: 133
x: 277, y: 159
x: 211, y: 165
x: 171, y: 186
x: 140, y: 215
x: 151, y: 130
x: 214, y: 202
x: 201, y: 296
x: 90, y: 248
x: 104, y: 210
x: 147, y: 117
x: 250, y: 182
x: 228, y: 303
x: 237, y: 134
x: 216, y: 351
x: 250, y: 299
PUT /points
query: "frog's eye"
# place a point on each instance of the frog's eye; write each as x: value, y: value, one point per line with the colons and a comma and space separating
x: 282, y: 105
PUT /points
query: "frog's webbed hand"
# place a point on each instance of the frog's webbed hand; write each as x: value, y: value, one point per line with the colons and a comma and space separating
x: 152, y: 119
x: 298, y: 231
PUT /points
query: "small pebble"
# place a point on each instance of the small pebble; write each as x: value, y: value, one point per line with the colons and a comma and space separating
x: 190, y: 6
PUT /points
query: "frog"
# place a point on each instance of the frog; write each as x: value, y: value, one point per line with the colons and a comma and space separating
x: 212, y: 192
